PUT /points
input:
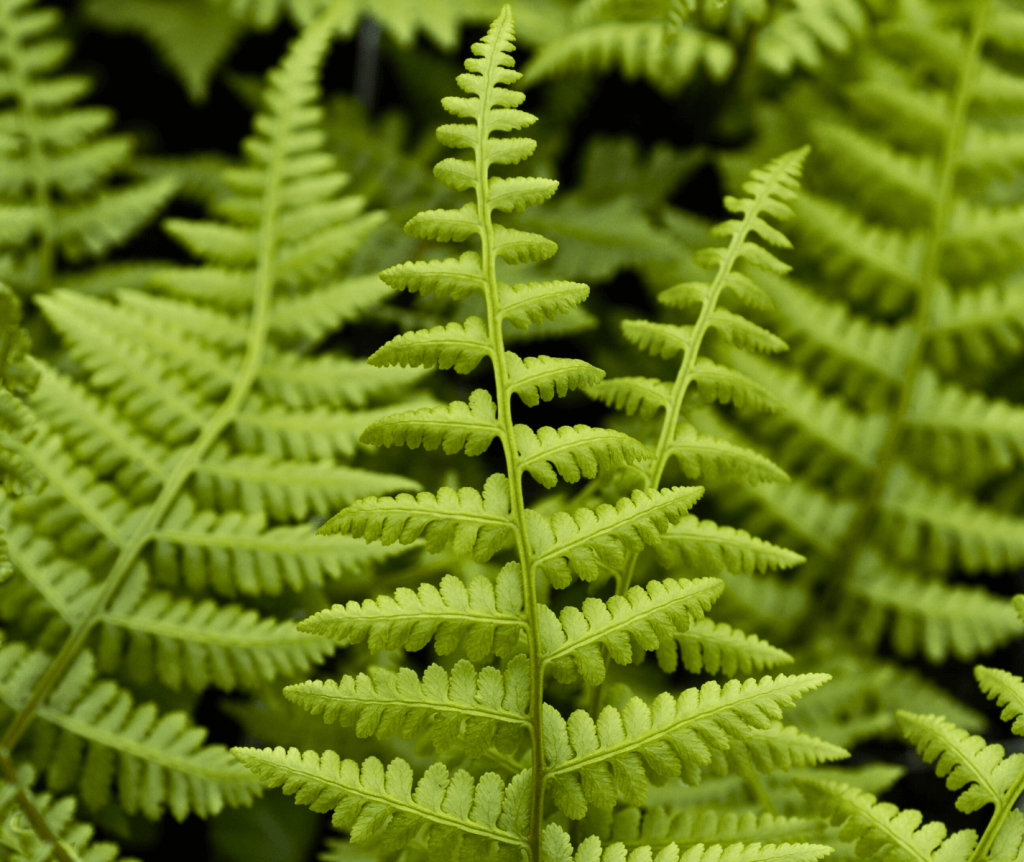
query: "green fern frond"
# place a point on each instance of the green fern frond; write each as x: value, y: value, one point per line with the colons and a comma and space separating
x: 56, y: 189
x: 644, y: 619
x: 657, y: 739
x: 464, y: 520
x: 776, y: 747
x: 574, y: 452
x: 64, y: 833
x: 455, y: 427
x: 380, y: 805
x: 978, y: 326
x: 709, y: 546
x: 631, y: 394
x: 929, y: 617
x: 1007, y: 690
x: 479, y: 709
x: 483, y: 617
x: 89, y: 728
x: 703, y: 456
x: 460, y: 346
x: 585, y: 540
x: 719, y: 648
x: 965, y: 761
x: 883, y: 829
x: 661, y: 825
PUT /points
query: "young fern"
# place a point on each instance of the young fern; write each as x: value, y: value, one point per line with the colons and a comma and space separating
x: 56, y: 163
x: 549, y: 766
x: 905, y: 297
x: 983, y: 773
x: 182, y: 466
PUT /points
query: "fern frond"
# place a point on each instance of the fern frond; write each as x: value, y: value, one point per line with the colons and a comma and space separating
x: 657, y: 739
x: 482, y: 617
x: 75, y: 838
x: 91, y: 728
x: 704, y: 456
x: 1007, y: 690
x: 179, y: 640
x: 464, y: 520
x: 379, y: 805
x: 478, y: 709
x: 537, y: 302
x: 631, y: 394
x: 709, y: 546
x: 719, y: 648
x: 460, y: 346
x: 584, y: 541
x: 575, y: 452
x: 929, y: 617
x: 978, y: 326
x: 964, y: 760
x: 470, y: 426
x: 882, y: 828
x: 644, y: 619
x: 539, y: 378
x: 686, y: 827
x: 558, y: 848
x: 61, y: 169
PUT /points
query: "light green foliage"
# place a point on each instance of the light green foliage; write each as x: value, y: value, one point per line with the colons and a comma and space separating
x: 901, y: 307
x: 55, y: 160
x: 669, y: 42
x: 521, y: 615
x: 185, y: 442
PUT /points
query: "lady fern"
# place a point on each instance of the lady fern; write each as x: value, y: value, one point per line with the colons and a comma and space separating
x: 894, y: 435
x: 56, y: 163
x: 551, y: 762
x: 182, y: 459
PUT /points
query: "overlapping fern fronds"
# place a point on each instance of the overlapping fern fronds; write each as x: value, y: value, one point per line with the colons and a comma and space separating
x: 549, y: 760
x: 56, y: 159
x: 668, y: 42
x: 184, y: 457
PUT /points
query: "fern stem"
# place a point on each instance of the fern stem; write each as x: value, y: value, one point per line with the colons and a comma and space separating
x: 655, y: 473
x: 999, y: 816
x: 37, y: 159
x: 503, y: 400
x: 33, y: 814
x: 253, y: 359
x: 847, y: 549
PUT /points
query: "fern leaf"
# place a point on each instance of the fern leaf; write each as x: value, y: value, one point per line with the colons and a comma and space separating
x: 233, y: 553
x: 930, y: 520
x: 776, y: 747
x: 316, y: 315
x: 703, y: 456
x: 575, y: 452
x: 379, y: 805
x: 538, y: 378
x: 645, y: 619
x: 455, y: 345
x: 719, y: 648
x: 707, y: 545
x: 656, y: 739
x: 721, y: 383
x: 483, y: 617
x: 464, y: 521
x: 741, y: 332
x: 882, y: 828
x: 199, y: 643
x: 479, y: 709
x: 644, y: 394
x: 76, y: 837
x: 161, y: 760
x: 1007, y: 690
x: 661, y: 825
x: 978, y: 326
x: 929, y: 617
x: 329, y: 381
x: 470, y: 426
x: 658, y: 339
x: 957, y: 430
x: 455, y: 278
x: 962, y: 759
x: 523, y: 304
x: 583, y: 541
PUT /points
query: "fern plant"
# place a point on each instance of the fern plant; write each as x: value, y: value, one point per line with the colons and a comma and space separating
x: 56, y: 161
x: 983, y: 773
x: 902, y: 306
x: 183, y: 457
x: 550, y: 762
